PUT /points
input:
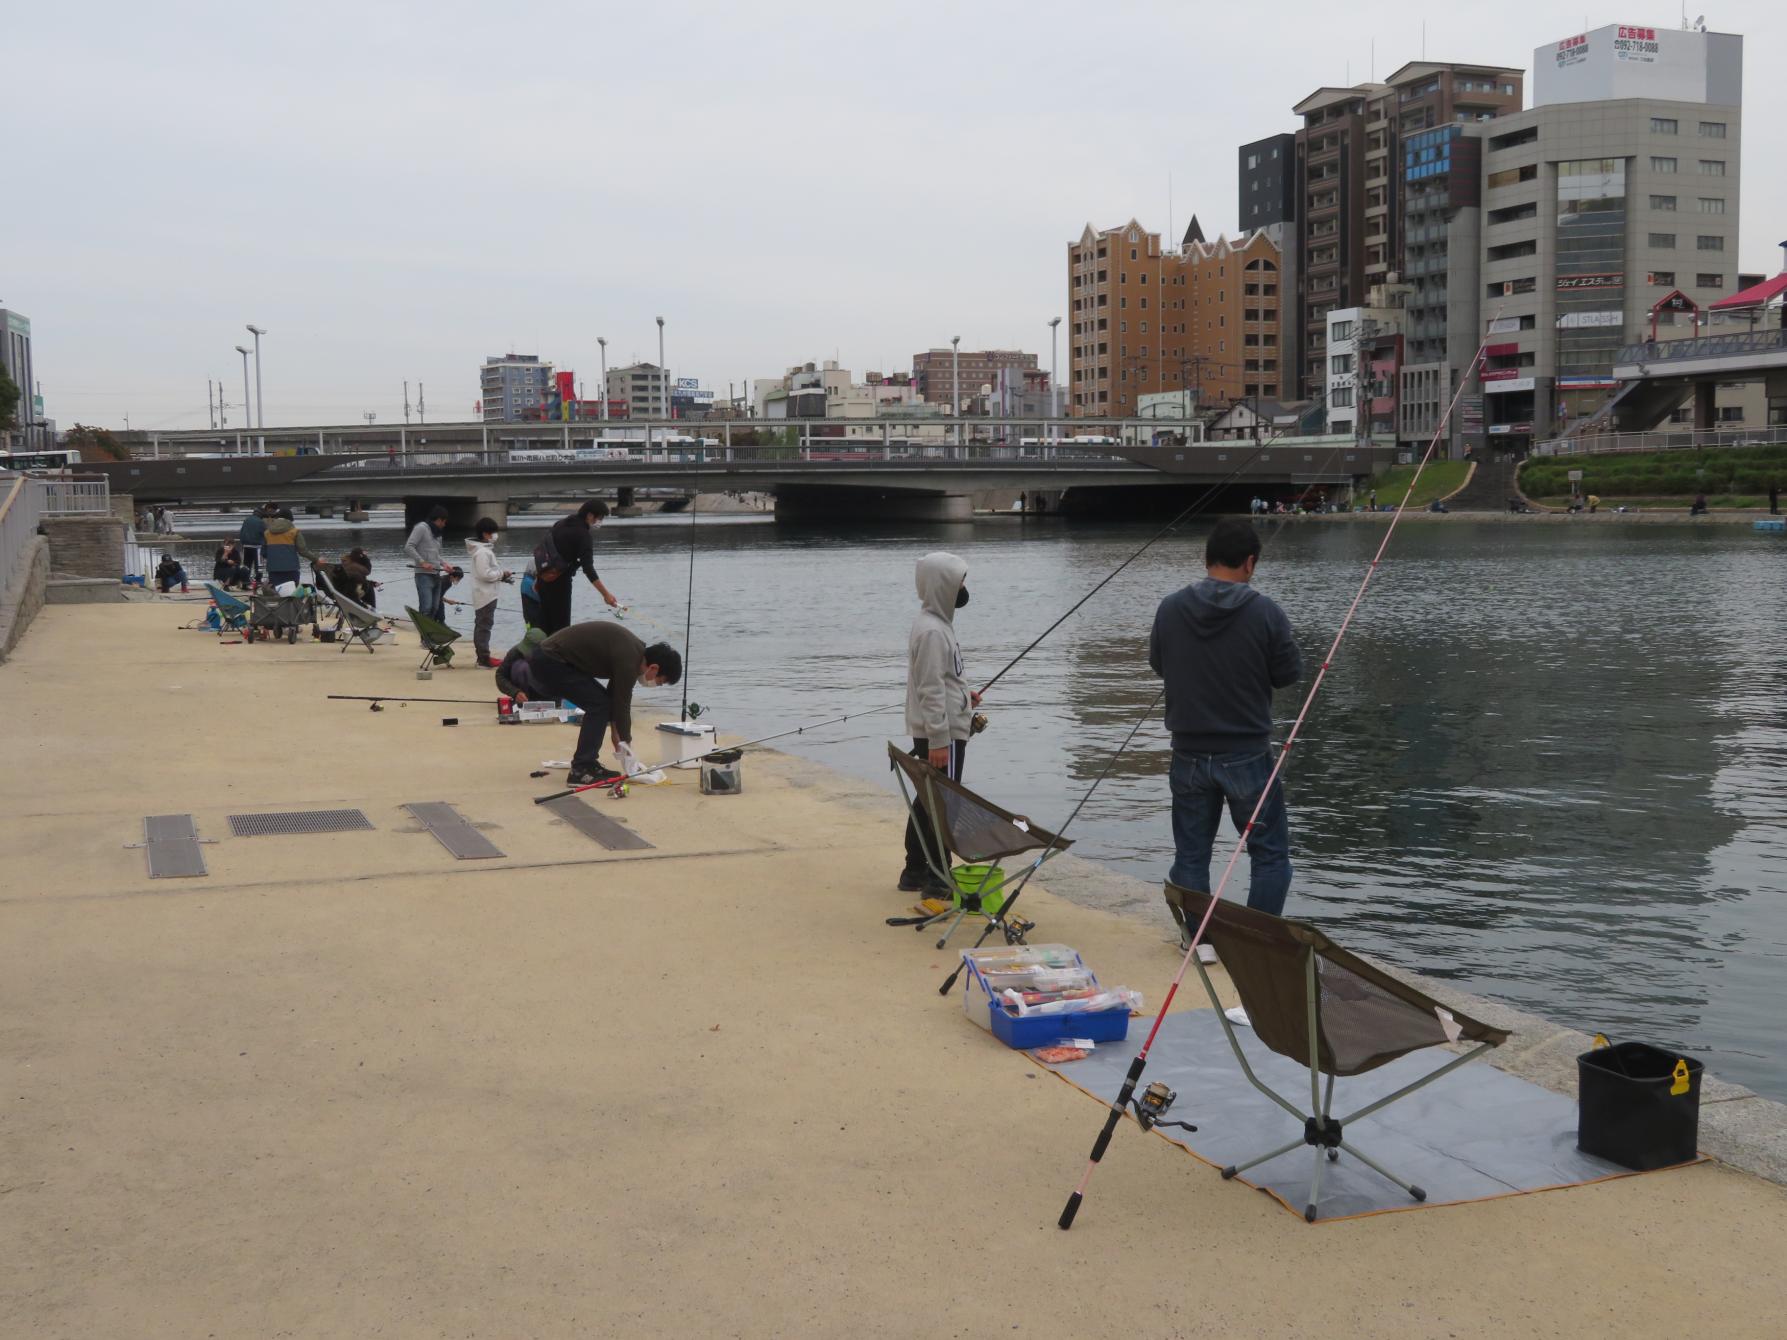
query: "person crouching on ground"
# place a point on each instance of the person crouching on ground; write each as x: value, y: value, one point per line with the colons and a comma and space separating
x: 939, y: 704
x: 227, y: 567
x: 284, y: 547
x: 169, y: 574
x: 567, y: 665
x: 1222, y: 648
x: 513, y: 676
x: 488, y: 577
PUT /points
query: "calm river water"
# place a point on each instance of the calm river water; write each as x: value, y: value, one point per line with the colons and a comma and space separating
x: 1550, y: 763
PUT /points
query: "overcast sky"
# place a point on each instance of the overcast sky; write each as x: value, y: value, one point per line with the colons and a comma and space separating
x: 398, y: 191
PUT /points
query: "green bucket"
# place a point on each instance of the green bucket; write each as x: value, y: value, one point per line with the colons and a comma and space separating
x: 986, y: 880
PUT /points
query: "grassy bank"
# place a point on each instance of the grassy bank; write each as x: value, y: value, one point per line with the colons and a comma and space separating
x: 1437, y: 480
x: 1729, y: 476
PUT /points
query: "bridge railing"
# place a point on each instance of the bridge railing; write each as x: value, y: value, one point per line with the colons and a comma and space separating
x: 1682, y: 440
x: 1734, y: 344
x: 832, y: 454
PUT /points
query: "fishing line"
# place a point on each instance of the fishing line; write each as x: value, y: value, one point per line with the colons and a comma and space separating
x: 689, y: 609
x: 1141, y: 1059
x: 1000, y: 919
x: 1147, y: 544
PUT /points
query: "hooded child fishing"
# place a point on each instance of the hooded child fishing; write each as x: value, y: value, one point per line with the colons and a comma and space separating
x: 939, y: 704
x: 488, y: 577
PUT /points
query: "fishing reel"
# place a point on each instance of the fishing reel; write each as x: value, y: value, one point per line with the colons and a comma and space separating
x: 1016, y: 928
x: 977, y: 723
x: 1152, y: 1106
x: 695, y: 711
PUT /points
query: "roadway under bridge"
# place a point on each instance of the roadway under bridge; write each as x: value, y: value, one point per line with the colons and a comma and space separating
x: 820, y: 479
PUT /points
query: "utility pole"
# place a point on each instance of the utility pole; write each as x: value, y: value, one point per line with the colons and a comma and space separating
x: 210, y: 410
x: 955, y: 361
x: 406, y: 402
x: 369, y: 416
x: 247, y: 404
x: 260, y: 403
x: 421, y: 406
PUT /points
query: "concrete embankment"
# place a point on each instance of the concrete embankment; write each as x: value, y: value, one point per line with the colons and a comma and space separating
x: 347, y: 1085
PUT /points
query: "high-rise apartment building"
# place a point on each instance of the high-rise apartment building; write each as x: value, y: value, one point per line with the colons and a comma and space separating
x: 1267, y: 173
x: 1616, y: 190
x: 510, y: 386
x: 1206, y: 318
x: 645, y: 387
x: 937, y: 372
x: 15, y: 357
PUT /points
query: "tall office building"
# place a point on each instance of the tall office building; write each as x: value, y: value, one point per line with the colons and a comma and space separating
x: 509, y: 384
x: 1615, y: 191
x: 15, y: 357
x: 645, y: 387
x: 1267, y: 173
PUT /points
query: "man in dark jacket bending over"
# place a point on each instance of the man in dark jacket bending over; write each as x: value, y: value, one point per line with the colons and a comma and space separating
x: 567, y: 665
x: 1222, y: 648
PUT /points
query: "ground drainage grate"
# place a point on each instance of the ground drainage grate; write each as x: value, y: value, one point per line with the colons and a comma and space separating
x: 298, y: 822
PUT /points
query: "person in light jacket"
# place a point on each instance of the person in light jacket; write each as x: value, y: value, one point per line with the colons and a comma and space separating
x: 488, y: 577
x: 939, y: 703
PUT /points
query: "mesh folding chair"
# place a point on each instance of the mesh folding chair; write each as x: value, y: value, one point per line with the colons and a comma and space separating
x: 359, y: 623
x: 436, y: 637
x: 232, y: 614
x: 1311, y: 1001
x: 970, y: 828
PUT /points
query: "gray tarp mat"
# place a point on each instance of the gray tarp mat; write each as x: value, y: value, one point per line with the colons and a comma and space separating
x: 1476, y: 1133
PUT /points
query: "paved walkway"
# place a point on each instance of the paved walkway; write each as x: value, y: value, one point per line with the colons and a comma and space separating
x: 347, y: 1086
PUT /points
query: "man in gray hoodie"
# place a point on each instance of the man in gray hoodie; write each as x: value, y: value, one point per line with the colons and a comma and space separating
x: 1222, y: 648
x: 423, y: 549
x: 939, y: 703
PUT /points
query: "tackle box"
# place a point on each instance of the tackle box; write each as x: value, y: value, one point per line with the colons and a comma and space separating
x: 1017, y: 967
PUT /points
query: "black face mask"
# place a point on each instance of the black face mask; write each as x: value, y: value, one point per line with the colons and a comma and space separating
x: 961, y: 597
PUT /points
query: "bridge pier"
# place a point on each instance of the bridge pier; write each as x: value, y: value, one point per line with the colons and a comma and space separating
x: 625, y: 502
x: 821, y: 503
x: 1706, y: 415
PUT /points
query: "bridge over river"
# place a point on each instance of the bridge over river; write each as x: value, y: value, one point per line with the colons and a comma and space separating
x: 482, y: 469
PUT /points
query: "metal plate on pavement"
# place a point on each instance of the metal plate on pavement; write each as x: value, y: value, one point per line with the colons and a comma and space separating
x: 455, y: 834
x: 172, y: 842
x: 611, y: 833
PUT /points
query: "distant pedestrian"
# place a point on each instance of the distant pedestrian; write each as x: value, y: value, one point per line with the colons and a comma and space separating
x: 1374, y: 500
x: 424, y: 550
x: 1699, y: 507
x: 1774, y: 499
x: 568, y: 547
x: 488, y: 577
x: 1222, y: 648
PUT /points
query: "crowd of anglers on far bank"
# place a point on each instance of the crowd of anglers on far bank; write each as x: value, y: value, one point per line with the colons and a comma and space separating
x: 1220, y: 646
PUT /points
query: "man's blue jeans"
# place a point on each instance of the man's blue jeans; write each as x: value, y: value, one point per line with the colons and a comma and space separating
x: 1202, y: 784
x: 430, y: 596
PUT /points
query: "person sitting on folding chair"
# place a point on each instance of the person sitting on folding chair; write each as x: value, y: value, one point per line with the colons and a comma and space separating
x: 568, y: 665
x: 1222, y: 648
x: 939, y: 704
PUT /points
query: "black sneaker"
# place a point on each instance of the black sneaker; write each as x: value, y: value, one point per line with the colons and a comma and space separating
x: 911, y: 881
x: 592, y: 777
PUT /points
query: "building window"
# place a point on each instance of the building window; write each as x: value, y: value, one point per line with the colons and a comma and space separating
x: 1666, y: 166
x: 1339, y: 363
x: 1709, y: 281
x: 1712, y: 130
x: 1663, y: 125
x: 1665, y: 203
x: 1731, y: 413
x: 1663, y: 241
x: 1663, y: 278
x: 1707, y: 243
x: 1712, y: 167
x: 1341, y: 330
x: 1708, y: 205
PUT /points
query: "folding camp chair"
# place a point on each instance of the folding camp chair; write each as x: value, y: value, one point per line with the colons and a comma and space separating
x: 968, y: 827
x: 1311, y: 1001
x: 437, y: 639
x: 360, y: 624
x: 232, y: 614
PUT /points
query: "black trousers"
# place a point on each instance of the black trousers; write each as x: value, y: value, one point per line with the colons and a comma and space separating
x: 554, y: 679
x: 921, y: 841
x: 555, y: 603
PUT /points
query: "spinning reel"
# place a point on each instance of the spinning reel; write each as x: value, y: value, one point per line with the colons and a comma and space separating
x: 1152, y: 1106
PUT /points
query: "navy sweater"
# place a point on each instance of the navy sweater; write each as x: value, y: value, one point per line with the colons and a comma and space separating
x: 1222, y: 647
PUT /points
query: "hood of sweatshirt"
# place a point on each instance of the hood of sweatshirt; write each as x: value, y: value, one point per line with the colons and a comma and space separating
x: 473, y: 545
x: 1209, y: 605
x: 938, y: 578
x: 278, y: 525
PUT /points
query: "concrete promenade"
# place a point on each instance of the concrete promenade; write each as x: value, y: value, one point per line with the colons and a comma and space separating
x: 348, y: 1086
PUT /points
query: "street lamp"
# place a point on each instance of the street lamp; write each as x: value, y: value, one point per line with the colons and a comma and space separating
x: 1054, y: 366
x: 663, y: 372
x: 955, y: 368
x: 260, y: 405
x: 243, y: 350
x: 604, y: 343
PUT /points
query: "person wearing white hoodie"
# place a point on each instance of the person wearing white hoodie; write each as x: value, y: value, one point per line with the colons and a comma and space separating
x: 939, y: 703
x: 488, y: 577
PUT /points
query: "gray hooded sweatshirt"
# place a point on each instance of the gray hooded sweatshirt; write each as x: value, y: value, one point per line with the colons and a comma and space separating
x: 937, y: 705
x: 1222, y: 647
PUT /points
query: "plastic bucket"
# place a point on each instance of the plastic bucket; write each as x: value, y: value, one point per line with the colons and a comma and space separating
x: 986, y: 881
x: 1638, y: 1106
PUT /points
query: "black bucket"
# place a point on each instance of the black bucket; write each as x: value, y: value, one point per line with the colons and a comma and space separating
x: 1638, y: 1107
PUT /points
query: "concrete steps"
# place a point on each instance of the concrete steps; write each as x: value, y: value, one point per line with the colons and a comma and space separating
x: 1490, y: 487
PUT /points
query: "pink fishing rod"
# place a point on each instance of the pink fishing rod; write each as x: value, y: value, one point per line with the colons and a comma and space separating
x: 1140, y: 1063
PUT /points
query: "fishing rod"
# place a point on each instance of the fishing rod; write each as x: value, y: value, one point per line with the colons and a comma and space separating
x: 392, y: 698
x: 1140, y: 1063
x: 689, y: 609
x: 1004, y: 913
x: 1147, y: 544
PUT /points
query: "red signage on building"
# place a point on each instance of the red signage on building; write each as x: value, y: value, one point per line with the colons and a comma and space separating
x: 1638, y: 34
